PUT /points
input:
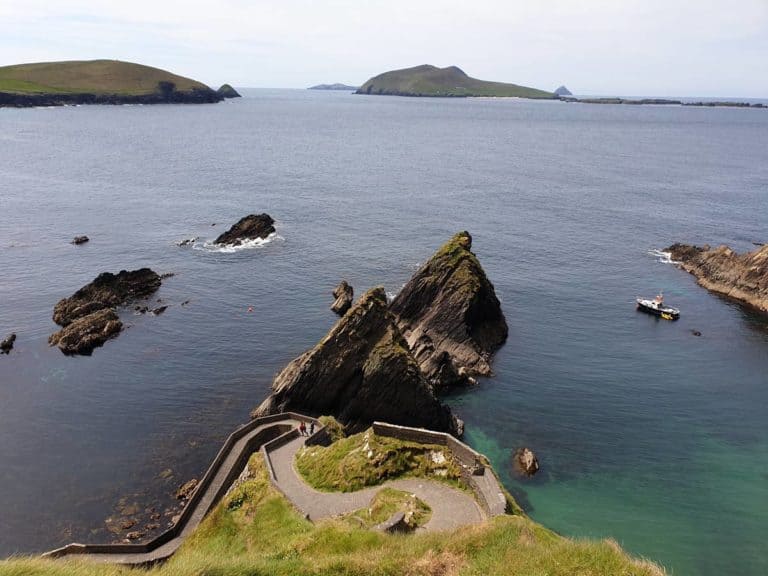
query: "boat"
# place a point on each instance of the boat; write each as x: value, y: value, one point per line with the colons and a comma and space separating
x: 658, y: 308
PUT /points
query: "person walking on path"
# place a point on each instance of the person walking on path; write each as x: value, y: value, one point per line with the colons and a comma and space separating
x: 311, y: 428
x: 303, y: 428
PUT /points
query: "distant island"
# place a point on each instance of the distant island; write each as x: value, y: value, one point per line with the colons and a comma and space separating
x: 563, y: 91
x: 664, y: 102
x: 427, y: 80
x: 336, y: 86
x: 98, y: 82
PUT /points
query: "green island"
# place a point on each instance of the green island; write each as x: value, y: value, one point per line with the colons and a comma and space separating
x: 255, y: 530
x: 428, y: 80
x: 97, y: 82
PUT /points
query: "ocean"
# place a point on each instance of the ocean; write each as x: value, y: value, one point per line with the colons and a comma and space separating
x: 645, y: 433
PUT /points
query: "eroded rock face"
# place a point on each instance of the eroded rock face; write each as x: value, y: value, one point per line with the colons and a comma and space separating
x: 106, y: 291
x: 343, y: 294
x: 525, y: 462
x: 360, y: 372
x: 87, y: 332
x: 88, y: 318
x: 250, y: 227
x: 450, y: 316
x: 744, y: 277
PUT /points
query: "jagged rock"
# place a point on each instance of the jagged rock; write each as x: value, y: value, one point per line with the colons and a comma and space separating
x: 80, y: 240
x: 159, y: 310
x: 87, y: 332
x: 106, y: 291
x: 360, y: 372
x: 450, y: 316
x: 248, y: 228
x: 743, y: 277
x: 187, y: 241
x: 526, y: 462
x: 7, y: 345
x: 186, y: 490
x: 343, y: 293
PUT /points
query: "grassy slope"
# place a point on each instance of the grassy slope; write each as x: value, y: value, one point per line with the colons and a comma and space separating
x: 429, y: 80
x: 91, y: 77
x: 255, y: 531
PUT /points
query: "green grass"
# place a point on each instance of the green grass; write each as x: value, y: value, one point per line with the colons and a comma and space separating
x: 89, y: 77
x: 387, y: 502
x: 427, y: 80
x: 264, y: 535
x: 366, y: 459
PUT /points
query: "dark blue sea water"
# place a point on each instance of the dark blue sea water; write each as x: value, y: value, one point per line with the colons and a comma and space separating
x: 646, y: 433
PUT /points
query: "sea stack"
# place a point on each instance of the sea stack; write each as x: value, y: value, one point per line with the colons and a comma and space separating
x: 226, y: 91
x: 88, y: 318
x: 360, y: 372
x: 251, y: 227
x: 343, y: 294
x: 743, y: 277
x: 450, y: 316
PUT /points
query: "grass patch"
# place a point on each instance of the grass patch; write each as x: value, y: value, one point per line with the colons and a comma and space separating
x: 366, y: 459
x: 264, y: 535
x: 387, y: 502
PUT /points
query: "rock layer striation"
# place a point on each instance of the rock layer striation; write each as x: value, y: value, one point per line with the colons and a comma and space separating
x: 743, y: 277
x: 361, y: 371
x: 450, y: 316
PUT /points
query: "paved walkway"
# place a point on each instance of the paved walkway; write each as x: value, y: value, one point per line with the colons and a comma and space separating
x: 451, y: 507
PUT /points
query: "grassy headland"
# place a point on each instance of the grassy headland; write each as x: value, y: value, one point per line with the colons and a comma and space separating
x: 427, y: 80
x: 89, y: 76
x: 255, y: 531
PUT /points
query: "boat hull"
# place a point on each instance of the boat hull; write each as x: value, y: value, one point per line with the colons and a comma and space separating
x: 665, y: 314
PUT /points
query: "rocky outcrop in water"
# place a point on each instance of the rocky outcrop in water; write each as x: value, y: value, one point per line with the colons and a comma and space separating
x: 250, y: 227
x: 77, y: 240
x: 88, y: 318
x: 7, y: 344
x: 343, y: 294
x: 563, y: 91
x: 226, y: 91
x: 743, y: 277
x: 450, y: 316
x: 87, y: 332
x: 360, y: 372
x: 525, y: 462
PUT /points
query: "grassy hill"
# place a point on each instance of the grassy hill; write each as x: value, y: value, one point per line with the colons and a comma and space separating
x: 427, y: 80
x: 90, y: 77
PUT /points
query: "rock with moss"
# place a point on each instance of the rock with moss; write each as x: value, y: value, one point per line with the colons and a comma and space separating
x: 450, y: 316
x: 360, y: 372
x: 226, y: 91
x: 740, y: 276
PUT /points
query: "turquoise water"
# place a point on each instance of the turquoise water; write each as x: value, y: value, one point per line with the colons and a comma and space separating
x: 645, y: 433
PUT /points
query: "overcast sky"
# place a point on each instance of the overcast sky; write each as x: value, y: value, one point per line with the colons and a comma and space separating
x: 622, y: 47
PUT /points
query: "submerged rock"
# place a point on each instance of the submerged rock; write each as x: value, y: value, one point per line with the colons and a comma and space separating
x: 7, y: 344
x: 87, y: 332
x: 450, y: 316
x: 743, y: 277
x: 80, y: 240
x: 360, y: 372
x: 186, y: 490
x: 343, y: 293
x: 88, y: 318
x: 250, y: 227
x: 525, y: 461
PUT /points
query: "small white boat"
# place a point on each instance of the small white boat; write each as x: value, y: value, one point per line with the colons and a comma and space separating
x: 658, y: 308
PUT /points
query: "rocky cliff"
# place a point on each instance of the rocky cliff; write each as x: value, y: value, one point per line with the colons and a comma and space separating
x: 743, y: 277
x: 360, y: 372
x: 450, y: 316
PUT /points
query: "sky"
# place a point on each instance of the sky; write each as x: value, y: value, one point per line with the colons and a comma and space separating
x: 705, y: 48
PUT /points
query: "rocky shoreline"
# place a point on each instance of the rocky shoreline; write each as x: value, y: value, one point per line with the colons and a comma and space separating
x: 663, y: 102
x: 742, y: 277
x: 195, y: 96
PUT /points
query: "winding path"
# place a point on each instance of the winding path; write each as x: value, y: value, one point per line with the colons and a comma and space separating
x: 451, y: 507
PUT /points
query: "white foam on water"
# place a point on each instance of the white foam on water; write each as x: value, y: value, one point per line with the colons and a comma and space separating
x: 229, y: 249
x: 662, y: 257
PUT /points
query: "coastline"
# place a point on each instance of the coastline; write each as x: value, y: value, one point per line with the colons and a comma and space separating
x: 18, y: 100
